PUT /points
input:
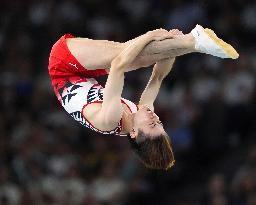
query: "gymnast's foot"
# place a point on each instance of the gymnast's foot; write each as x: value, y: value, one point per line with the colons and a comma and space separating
x: 206, y: 41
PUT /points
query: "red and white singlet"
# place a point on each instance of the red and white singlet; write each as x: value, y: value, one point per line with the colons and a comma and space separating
x: 76, y: 87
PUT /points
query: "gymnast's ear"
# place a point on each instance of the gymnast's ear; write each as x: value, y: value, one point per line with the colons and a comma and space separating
x: 133, y: 133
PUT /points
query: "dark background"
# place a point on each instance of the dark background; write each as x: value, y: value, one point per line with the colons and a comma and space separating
x: 206, y: 104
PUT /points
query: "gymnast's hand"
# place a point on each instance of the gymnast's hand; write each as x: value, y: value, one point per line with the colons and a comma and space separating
x: 162, y: 68
x: 160, y: 34
x: 175, y: 32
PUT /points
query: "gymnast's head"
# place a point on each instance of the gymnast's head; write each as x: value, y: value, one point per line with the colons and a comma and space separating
x: 149, y: 140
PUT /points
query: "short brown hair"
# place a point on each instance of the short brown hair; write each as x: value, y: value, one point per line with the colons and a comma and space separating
x: 155, y: 153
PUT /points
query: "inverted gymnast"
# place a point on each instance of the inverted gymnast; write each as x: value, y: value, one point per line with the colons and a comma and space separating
x: 74, y: 63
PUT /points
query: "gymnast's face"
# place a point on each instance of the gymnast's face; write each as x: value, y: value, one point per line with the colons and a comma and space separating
x: 148, y: 122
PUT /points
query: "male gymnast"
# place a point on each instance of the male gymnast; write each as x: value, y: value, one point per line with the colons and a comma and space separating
x: 74, y: 63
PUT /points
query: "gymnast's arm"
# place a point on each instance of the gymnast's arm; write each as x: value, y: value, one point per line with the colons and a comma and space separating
x: 160, y: 71
x: 111, y: 110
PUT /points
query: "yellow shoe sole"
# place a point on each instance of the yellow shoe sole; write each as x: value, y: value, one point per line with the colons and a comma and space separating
x: 229, y: 50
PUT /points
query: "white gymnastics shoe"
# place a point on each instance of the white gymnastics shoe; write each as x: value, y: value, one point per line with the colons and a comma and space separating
x: 206, y: 41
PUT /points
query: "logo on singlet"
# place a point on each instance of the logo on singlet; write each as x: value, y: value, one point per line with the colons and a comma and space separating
x: 67, y: 92
x: 74, y: 65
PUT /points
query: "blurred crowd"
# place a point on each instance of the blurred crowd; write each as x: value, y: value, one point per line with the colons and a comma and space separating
x: 234, y: 188
x: 207, y: 106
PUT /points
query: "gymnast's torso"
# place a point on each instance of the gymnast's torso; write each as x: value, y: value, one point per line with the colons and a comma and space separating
x: 77, y: 88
